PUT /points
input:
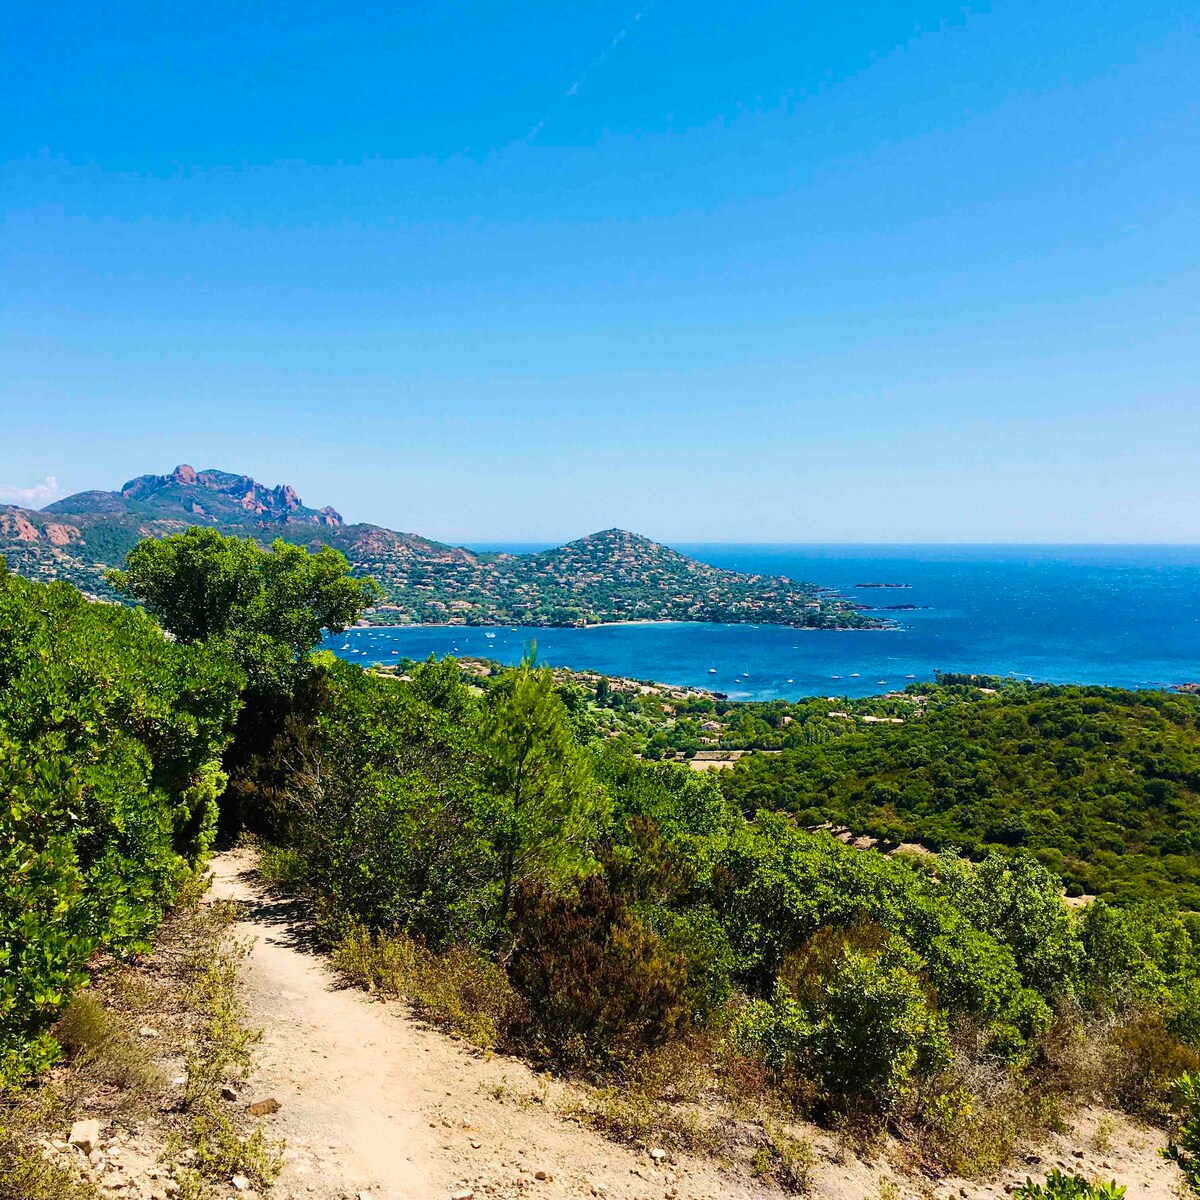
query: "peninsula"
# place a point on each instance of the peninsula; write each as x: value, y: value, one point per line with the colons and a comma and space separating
x: 606, y: 577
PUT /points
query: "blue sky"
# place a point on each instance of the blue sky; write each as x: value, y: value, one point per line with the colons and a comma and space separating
x: 757, y: 272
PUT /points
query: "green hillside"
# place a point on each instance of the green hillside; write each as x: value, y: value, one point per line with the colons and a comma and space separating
x: 606, y: 577
x: 1100, y: 784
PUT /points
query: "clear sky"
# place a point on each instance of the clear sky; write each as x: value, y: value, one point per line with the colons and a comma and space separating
x: 779, y: 270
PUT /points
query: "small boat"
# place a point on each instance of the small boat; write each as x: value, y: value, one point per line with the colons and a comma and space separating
x: 712, y: 670
x: 881, y: 681
x: 910, y: 677
x: 853, y: 674
x: 791, y: 681
x: 835, y: 677
x: 489, y: 635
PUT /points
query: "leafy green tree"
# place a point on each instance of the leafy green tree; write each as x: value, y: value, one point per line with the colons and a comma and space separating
x: 1020, y: 904
x: 267, y: 608
x: 546, y: 806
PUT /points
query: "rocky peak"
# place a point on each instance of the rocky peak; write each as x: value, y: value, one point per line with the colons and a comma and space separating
x: 285, y: 495
x: 215, y: 493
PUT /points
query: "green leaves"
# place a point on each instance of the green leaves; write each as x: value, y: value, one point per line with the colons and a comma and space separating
x: 852, y: 1014
x: 1100, y: 785
x: 1059, y: 1186
x: 266, y: 608
x: 545, y: 806
x: 1184, y: 1147
x: 109, y: 743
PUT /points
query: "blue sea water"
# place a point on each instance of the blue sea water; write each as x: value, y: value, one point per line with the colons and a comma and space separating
x: 1127, y: 616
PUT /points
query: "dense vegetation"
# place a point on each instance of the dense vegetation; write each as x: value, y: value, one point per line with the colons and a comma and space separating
x: 488, y: 845
x: 110, y: 743
x: 609, y: 576
x: 632, y: 907
x: 1101, y: 785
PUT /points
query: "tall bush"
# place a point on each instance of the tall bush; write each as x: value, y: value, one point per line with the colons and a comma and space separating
x: 110, y: 737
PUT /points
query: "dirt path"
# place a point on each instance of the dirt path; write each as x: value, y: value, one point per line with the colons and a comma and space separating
x: 372, y: 1102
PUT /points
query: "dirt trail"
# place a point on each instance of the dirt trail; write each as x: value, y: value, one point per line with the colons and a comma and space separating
x: 373, y: 1102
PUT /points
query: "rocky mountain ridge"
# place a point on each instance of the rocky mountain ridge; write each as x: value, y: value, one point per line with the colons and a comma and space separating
x: 219, y: 495
x: 613, y: 575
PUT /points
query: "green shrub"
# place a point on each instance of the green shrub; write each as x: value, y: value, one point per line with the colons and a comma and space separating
x: 282, y: 866
x: 1184, y: 1147
x: 1067, y: 1187
x: 220, y: 1151
x: 109, y: 774
x: 388, y: 813
x: 852, y: 1016
x: 775, y: 886
x: 786, y: 1160
x: 224, y: 1043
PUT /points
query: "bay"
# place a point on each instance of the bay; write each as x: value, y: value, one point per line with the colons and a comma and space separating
x: 1126, y: 616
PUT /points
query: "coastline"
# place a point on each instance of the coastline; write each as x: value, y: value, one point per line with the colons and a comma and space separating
x: 888, y: 627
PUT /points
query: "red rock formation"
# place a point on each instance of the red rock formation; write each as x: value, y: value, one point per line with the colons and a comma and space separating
x: 62, y: 535
x: 16, y: 525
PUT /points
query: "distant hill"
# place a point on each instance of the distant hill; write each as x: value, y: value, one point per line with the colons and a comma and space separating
x: 609, y: 576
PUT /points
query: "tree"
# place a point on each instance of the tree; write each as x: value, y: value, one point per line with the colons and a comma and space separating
x: 546, y: 802
x: 263, y: 609
x: 267, y: 608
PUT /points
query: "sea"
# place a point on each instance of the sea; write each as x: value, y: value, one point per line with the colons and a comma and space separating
x: 1124, y: 616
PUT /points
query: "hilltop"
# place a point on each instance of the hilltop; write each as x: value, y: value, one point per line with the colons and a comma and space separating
x: 605, y: 577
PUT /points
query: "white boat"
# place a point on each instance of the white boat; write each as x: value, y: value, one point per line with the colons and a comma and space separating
x: 853, y: 674
x: 489, y: 635
x: 712, y: 670
x: 791, y: 681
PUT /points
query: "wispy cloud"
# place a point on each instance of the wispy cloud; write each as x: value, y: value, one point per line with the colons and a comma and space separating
x: 573, y: 90
x: 38, y: 493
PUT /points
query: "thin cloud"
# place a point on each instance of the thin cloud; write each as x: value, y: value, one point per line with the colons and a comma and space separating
x: 573, y: 90
x: 39, y: 493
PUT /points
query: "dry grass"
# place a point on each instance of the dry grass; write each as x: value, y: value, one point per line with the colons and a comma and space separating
x: 786, y: 1160
x: 222, y: 1151
x: 102, y: 1048
x: 183, y: 997
x: 458, y: 989
x: 26, y: 1172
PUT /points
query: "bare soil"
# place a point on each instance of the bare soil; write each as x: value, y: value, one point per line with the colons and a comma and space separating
x: 373, y: 1102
